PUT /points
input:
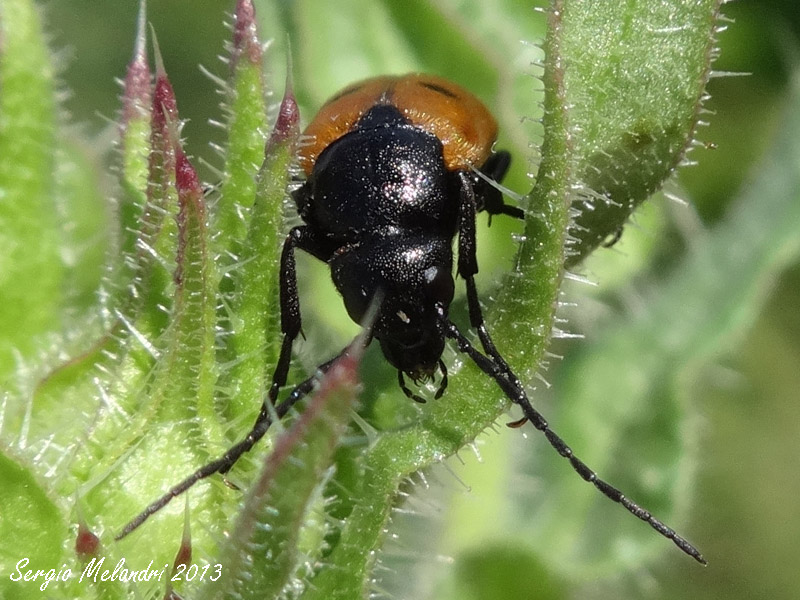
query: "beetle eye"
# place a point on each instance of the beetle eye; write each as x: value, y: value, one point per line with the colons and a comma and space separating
x: 439, y: 285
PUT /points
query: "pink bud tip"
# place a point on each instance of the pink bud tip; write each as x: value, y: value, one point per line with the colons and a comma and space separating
x: 245, y: 33
x: 186, y: 178
x: 287, y: 125
x: 136, y: 94
x: 87, y: 543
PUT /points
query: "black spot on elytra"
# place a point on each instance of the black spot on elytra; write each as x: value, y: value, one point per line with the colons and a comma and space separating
x: 438, y: 89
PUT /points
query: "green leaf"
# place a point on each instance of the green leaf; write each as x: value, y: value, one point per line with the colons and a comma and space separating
x: 30, y: 232
x: 35, y: 524
x: 635, y: 75
x: 627, y: 386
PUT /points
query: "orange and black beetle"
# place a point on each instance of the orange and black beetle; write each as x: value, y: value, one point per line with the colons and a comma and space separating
x: 391, y: 176
x: 395, y: 168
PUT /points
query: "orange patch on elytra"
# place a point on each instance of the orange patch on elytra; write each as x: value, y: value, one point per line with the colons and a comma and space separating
x: 464, y: 125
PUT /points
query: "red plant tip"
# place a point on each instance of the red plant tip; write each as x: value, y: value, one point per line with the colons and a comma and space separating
x: 184, y: 555
x: 165, y: 108
x: 136, y: 94
x: 287, y: 125
x: 344, y: 372
x: 86, y: 543
x: 245, y: 33
x: 186, y: 179
x: 190, y: 201
x: 185, y: 551
x: 172, y: 595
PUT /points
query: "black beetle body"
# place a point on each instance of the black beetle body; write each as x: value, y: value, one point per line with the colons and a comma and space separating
x: 382, y: 199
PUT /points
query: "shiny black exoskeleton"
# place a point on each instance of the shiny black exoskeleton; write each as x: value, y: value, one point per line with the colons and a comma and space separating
x: 382, y: 209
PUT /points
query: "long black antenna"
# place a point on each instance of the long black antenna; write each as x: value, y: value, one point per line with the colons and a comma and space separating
x: 227, y: 460
x: 503, y: 376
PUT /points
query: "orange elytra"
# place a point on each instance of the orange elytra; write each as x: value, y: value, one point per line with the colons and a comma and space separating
x: 462, y: 123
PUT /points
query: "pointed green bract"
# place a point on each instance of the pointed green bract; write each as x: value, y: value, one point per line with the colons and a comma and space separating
x: 261, y: 554
x: 247, y: 129
x: 134, y: 147
x: 255, y: 336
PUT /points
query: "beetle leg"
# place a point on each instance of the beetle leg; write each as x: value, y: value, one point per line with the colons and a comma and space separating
x: 613, y: 238
x: 442, y: 381
x: 487, y: 196
x: 467, y: 258
x: 290, y: 314
x: 497, y: 165
x: 468, y: 267
x: 291, y: 323
x: 409, y: 394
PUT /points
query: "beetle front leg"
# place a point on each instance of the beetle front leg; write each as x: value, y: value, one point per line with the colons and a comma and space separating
x: 291, y: 322
x: 468, y: 268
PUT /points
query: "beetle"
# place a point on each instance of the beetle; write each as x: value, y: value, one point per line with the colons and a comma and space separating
x: 396, y: 169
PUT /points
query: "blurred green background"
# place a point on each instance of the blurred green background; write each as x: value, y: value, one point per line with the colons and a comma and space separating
x: 745, y: 513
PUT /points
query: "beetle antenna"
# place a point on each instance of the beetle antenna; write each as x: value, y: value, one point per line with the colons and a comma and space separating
x: 517, y: 395
x: 227, y: 460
